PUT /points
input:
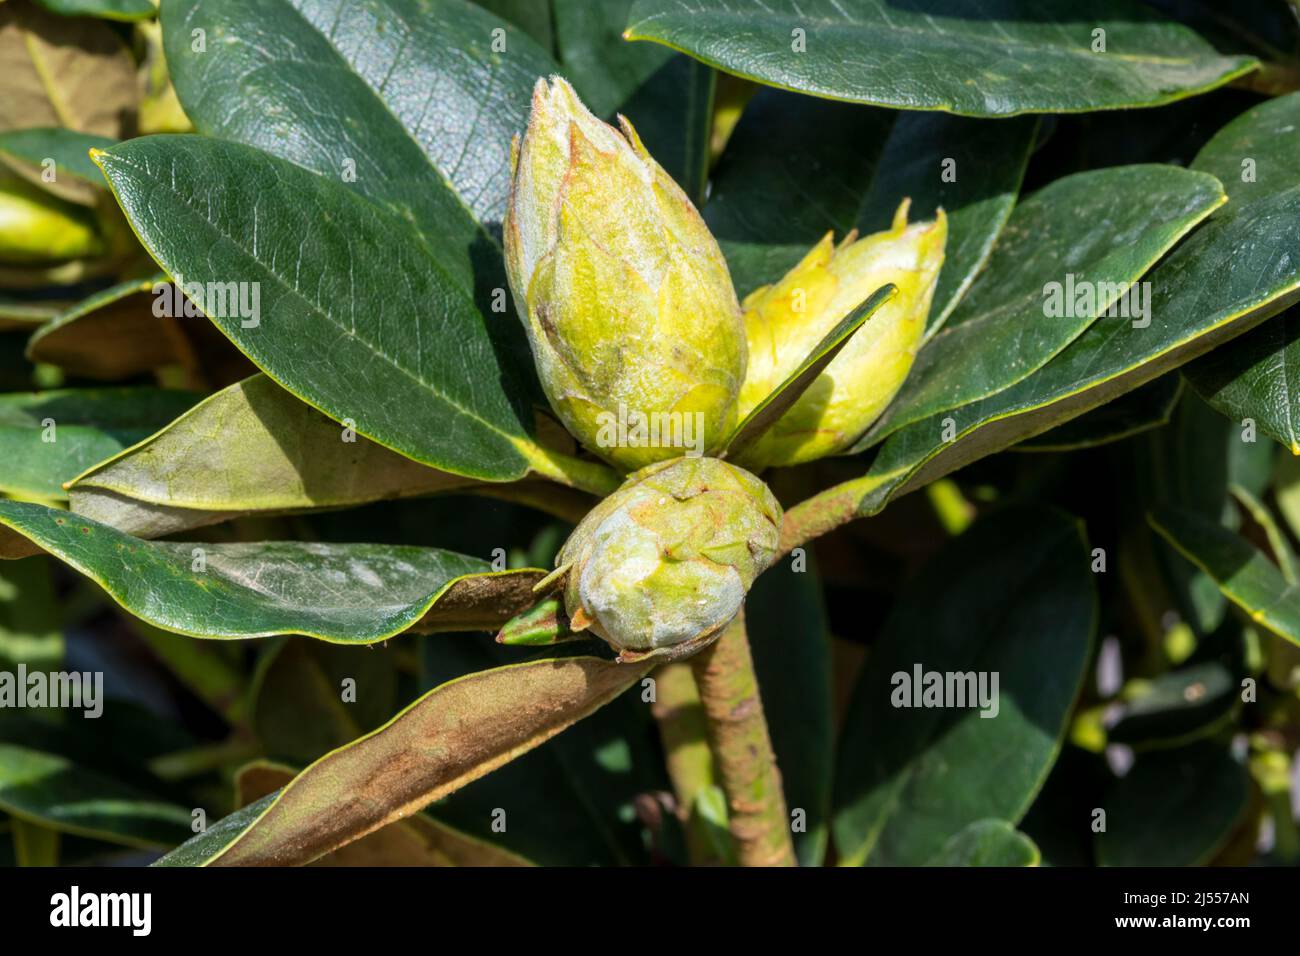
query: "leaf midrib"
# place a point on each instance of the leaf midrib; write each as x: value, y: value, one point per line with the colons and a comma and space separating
x: 387, y: 110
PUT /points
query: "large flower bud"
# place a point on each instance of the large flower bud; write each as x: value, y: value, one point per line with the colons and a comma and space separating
x: 663, y: 564
x: 36, y: 228
x: 786, y: 320
x: 628, y: 304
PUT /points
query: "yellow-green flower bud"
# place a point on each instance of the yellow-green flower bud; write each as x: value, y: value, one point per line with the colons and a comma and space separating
x: 786, y: 320
x: 629, y: 307
x: 37, y: 228
x: 664, y: 563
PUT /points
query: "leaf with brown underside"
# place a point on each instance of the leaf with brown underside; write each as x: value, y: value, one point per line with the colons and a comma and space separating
x: 70, y: 72
x: 418, y: 840
x: 456, y: 733
x: 253, y: 448
x: 480, y: 603
x: 14, y: 545
x: 114, y: 334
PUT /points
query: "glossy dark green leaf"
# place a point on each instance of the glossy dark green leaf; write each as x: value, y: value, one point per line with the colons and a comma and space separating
x: 51, y: 790
x: 1174, y: 807
x: 411, y: 362
x: 1096, y: 232
x: 975, y: 58
x: 1014, y: 597
x: 1187, y: 467
x: 104, y: 9
x: 346, y: 594
x: 69, y: 149
x: 1142, y: 409
x: 791, y: 642
x: 1243, y: 573
x: 411, y: 90
x: 531, y: 16
x: 395, y: 115
x: 48, y: 438
x: 987, y: 843
x: 1257, y: 378
x: 770, y: 409
x: 1236, y: 270
x: 796, y: 168
x: 479, y: 726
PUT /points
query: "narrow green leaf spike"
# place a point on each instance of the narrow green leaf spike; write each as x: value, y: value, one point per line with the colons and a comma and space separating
x: 769, y: 410
x: 1277, y: 540
x: 552, y: 580
x: 541, y: 625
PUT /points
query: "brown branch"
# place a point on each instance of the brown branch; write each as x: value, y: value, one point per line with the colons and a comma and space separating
x: 823, y: 512
x: 742, y: 750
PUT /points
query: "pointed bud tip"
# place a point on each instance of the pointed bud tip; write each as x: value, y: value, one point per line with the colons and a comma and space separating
x: 900, y: 215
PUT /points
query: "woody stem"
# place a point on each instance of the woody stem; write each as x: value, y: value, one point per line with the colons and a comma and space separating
x: 823, y: 512
x: 742, y: 750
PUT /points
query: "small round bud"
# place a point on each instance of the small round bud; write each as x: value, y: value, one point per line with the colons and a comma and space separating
x: 663, y: 564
